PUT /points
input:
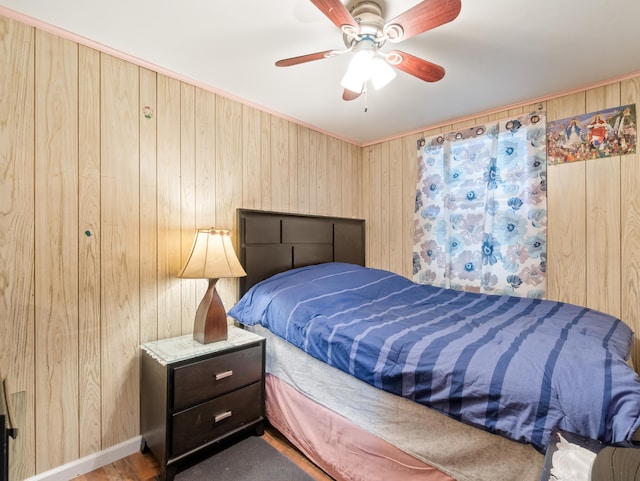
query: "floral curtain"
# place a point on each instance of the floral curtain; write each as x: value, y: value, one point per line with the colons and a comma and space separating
x: 481, y: 208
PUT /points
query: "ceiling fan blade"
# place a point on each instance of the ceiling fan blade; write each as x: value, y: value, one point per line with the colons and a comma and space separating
x: 427, y: 71
x: 288, y: 62
x: 335, y: 11
x: 424, y: 16
x: 350, y: 95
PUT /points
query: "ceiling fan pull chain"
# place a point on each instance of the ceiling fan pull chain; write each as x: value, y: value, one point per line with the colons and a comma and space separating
x: 366, y: 98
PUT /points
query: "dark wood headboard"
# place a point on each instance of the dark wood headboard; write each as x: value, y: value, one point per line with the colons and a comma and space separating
x: 274, y: 242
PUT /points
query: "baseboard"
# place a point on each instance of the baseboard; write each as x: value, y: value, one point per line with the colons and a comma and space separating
x: 89, y: 463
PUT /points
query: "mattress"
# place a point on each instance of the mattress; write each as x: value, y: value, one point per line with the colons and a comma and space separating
x: 460, y: 451
x: 343, y: 450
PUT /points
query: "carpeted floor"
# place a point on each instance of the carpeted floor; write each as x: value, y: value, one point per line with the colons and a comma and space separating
x: 251, y: 459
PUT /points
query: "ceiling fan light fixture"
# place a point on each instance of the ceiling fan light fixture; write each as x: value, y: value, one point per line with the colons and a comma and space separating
x: 367, y: 65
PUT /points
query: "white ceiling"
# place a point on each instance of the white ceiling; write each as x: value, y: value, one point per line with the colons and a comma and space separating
x: 497, y: 53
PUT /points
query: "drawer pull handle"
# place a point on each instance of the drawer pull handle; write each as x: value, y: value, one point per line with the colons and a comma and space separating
x: 222, y: 375
x: 222, y: 416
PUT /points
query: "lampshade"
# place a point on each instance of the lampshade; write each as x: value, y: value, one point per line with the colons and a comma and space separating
x: 212, y: 256
x: 381, y: 73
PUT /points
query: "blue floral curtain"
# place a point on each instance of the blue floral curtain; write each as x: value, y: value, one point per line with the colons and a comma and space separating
x: 481, y: 208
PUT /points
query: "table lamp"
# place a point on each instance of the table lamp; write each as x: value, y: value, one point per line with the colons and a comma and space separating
x: 212, y: 257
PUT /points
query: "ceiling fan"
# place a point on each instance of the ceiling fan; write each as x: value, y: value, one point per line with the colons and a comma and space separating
x: 364, y: 32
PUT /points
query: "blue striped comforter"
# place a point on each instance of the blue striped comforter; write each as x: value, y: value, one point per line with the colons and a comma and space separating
x: 514, y: 366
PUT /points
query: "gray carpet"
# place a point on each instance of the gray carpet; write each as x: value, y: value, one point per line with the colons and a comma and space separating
x: 251, y: 459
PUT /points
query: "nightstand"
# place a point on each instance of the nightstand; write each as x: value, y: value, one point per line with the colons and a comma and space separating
x: 192, y: 395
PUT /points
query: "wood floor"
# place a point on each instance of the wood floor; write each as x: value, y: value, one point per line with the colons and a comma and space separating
x: 143, y: 467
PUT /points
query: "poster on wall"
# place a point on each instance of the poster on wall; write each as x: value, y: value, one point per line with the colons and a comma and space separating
x: 605, y: 133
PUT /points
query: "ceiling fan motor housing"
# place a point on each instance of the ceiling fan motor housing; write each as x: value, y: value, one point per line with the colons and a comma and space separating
x: 368, y: 16
x: 371, y: 24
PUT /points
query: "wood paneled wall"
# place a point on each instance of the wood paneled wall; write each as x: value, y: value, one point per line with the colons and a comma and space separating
x: 106, y: 170
x: 593, y: 256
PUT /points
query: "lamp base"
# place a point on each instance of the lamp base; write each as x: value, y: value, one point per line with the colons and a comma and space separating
x: 211, y: 318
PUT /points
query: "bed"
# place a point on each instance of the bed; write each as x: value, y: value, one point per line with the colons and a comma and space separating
x: 417, y: 406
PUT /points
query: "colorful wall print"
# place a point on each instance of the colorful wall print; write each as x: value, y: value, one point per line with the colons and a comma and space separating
x: 605, y: 133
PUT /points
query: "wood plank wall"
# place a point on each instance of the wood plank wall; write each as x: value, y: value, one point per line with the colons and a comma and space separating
x: 106, y: 170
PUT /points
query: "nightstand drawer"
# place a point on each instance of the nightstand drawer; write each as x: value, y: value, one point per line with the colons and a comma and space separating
x: 201, y: 424
x: 206, y: 379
